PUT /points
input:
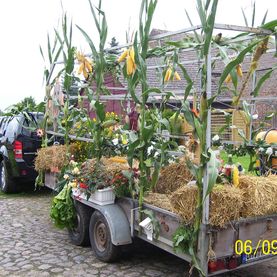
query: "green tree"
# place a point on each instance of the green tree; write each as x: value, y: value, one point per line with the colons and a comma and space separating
x: 114, y: 43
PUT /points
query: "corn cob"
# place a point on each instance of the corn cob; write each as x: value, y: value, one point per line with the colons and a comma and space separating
x: 177, y: 76
x: 239, y: 70
x: 235, y: 176
x: 123, y: 56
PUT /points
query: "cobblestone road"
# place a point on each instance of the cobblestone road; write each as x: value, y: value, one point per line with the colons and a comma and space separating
x: 31, y: 246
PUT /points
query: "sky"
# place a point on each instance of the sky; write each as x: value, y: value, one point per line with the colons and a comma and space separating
x: 24, y: 26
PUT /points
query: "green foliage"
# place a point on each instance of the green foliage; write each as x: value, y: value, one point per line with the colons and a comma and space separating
x: 62, y: 210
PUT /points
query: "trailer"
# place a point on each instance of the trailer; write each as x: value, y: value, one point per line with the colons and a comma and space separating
x: 108, y: 226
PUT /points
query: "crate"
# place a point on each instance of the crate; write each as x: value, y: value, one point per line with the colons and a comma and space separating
x: 100, y: 197
x: 103, y: 197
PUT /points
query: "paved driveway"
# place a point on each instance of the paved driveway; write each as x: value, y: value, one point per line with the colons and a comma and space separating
x: 31, y: 246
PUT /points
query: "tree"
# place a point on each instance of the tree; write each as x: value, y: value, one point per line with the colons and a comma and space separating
x: 28, y: 102
x: 114, y: 43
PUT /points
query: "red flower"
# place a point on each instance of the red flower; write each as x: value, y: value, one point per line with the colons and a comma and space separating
x: 83, y: 186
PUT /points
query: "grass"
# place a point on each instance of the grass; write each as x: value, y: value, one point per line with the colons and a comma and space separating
x: 244, y: 161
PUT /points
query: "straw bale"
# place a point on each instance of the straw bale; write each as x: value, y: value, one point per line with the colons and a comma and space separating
x: 50, y: 157
x: 172, y: 177
x: 225, y: 204
x: 159, y: 200
x: 259, y: 195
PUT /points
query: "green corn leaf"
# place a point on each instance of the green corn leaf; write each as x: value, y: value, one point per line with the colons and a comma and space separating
x: 234, y: 63
x: 100, y: 111
x: 187, y: 113
x: 41, y: 52
x: 261, y: 81
x: 210, y: 27
x: 189, y: 81
x: 65, y: 31
x: 191, y: 24
x: 49, y: 49
x: 201, y: 13
x: 244, y: 17
x: 94, y: 17
x: 213, y: 165
x: 89, y: 41
x: 264, y: 18
x: 270, y: 25
x: 253, y: 14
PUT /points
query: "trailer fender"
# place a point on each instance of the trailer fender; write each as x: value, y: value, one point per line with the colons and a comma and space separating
x: 118, y: 224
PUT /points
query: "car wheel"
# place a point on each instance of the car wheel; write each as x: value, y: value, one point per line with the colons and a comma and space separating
x: 100, y: 238
x: 6, y: 185
x: 80, y: 234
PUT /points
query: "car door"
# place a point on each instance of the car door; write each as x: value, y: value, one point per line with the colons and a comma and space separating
x: 30, y: 141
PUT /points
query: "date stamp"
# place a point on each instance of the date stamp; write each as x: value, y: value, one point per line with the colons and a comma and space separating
x: 263, y: 247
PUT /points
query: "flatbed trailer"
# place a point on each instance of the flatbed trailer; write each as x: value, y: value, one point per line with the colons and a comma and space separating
x: 107, y: 227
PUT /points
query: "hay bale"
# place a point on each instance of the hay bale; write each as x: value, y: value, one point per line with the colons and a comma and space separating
x: 51, y: 157
x: 159, y: 200
x: 225, y: 204
x: 259, y: 195
x: 173, y: 177
x: 183, y: 202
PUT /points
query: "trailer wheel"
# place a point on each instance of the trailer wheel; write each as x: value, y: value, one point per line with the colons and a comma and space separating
x: 100, y: 238
x: 80, y: 234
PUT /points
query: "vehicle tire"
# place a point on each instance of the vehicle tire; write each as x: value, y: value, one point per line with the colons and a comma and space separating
x: 100, y: 238
x: 80, y: 234
x: 6, y: 185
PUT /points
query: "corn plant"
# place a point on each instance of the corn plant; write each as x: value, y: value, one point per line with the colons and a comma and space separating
x: 99, y: 69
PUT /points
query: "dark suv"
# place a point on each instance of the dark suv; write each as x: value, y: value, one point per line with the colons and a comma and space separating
x: 18, y: 146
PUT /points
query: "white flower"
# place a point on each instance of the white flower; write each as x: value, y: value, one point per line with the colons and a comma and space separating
x: 215, y: 138
x: 149, y: 149
x: 156, y: 154
x: 115, y: 141
x: 233, y: 126
x: 171, y: 161
x: 73, y: 163
x: 261, y: 149
x: 66, y: 176
x: 76, y: 171
x: 182, y: 148
x: 220, y: 148
x: 255, y: 116
x: 269, y: 151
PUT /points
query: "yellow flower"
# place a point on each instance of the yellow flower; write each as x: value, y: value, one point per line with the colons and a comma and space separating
x: 85, y: 65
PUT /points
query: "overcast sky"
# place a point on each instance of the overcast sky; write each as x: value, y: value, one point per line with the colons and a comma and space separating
x: 24, y: 25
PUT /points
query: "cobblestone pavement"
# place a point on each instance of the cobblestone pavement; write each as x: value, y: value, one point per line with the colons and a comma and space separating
x: 31, y: 246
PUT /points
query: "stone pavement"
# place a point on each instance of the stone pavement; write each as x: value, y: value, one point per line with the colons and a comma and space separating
x: 31, y: 246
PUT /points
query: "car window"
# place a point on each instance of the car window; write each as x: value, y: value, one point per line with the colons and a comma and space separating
x: 13, y: 127
x: 3, y: 124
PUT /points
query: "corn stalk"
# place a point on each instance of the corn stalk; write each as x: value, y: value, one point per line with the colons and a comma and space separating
x: 99, y: 69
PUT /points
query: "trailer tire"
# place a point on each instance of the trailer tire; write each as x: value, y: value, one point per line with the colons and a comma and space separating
x: 100, y: 238
x: 80, y: 234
